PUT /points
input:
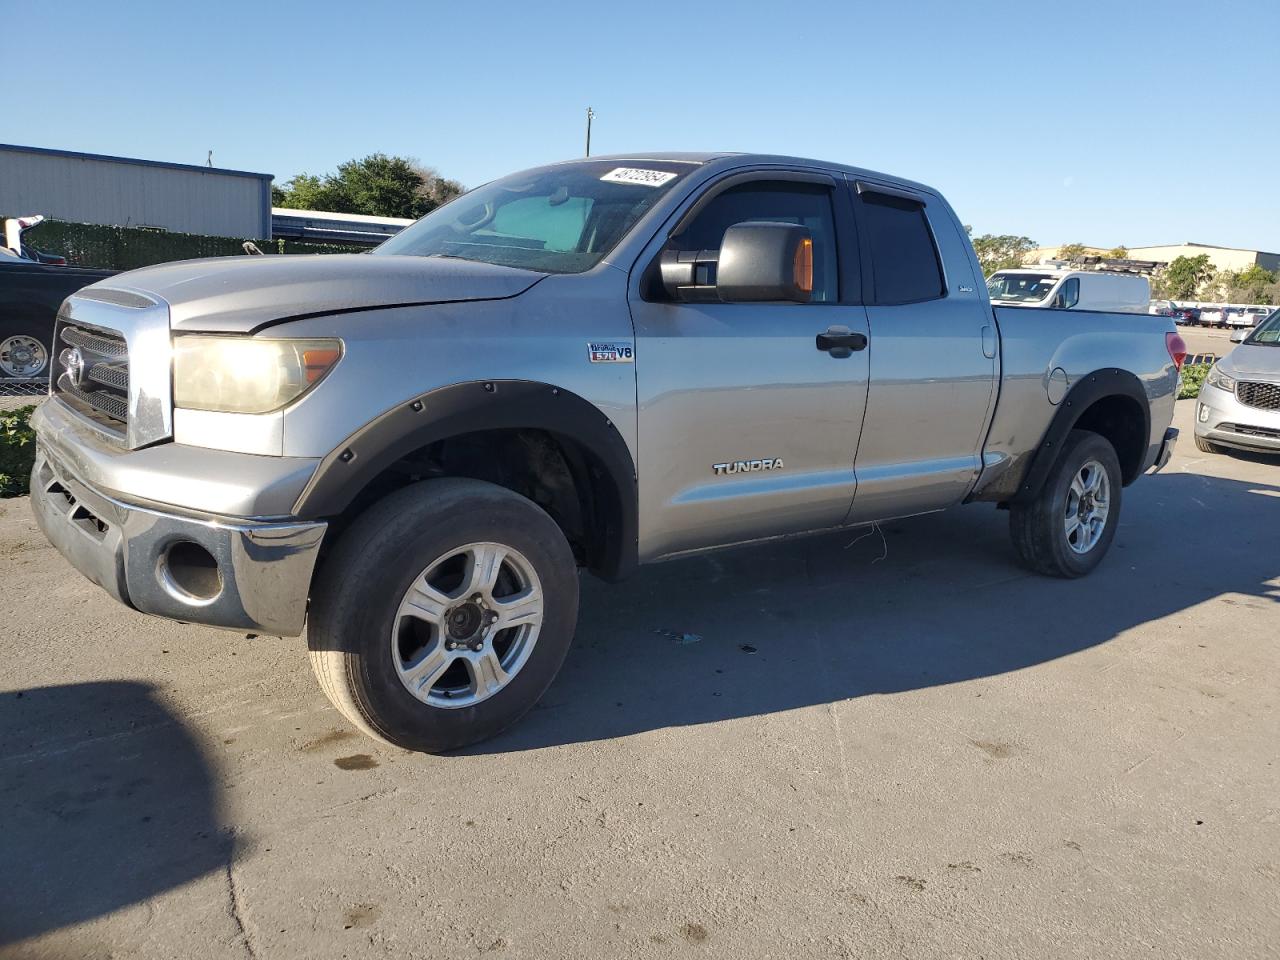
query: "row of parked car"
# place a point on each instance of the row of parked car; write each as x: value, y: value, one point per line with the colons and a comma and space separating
x: 1211, y: 315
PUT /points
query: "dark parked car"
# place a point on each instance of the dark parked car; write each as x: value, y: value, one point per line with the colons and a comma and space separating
x: 1184, y: 316
x: 30, y: 294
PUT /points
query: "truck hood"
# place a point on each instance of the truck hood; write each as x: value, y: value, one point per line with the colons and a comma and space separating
x: 245, y: 294
x: 1250, y: 359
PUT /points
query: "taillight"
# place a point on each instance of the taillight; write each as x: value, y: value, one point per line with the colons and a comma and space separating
x: 1177, y: 348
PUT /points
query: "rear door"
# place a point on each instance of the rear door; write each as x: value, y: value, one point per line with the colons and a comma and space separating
x: 747, y: 429
x: 933, y: 353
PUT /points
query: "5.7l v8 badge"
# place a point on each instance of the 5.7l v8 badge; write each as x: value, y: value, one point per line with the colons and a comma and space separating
x: 611, y: 352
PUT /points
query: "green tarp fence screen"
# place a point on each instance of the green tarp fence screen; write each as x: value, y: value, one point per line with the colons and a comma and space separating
x: 125, y: 248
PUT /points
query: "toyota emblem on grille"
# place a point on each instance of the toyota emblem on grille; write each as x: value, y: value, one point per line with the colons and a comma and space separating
x: 73, y: 360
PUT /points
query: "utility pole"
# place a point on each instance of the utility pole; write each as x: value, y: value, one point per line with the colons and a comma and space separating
x: 591, y: 115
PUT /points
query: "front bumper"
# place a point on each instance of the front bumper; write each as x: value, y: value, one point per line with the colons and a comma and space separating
x: 1222, y: 419
x: 232, y: 573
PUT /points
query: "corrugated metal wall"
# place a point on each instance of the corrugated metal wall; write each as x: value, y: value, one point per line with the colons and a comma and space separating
x: 93, y: 190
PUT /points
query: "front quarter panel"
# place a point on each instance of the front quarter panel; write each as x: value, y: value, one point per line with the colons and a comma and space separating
x: 394, y: 355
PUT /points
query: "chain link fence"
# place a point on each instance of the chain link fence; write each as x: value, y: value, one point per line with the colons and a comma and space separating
x: 127, y: 248
x: 33, y: 389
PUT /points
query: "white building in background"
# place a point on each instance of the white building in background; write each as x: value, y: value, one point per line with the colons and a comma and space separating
x: 127, y: 192
x: 1222, y: 258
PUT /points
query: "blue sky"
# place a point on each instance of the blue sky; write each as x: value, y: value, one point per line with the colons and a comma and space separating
x: 1123, y: 122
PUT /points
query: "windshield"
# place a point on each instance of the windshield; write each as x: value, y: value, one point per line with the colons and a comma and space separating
x: 1267, y: 332
x: 1021, y: 287
x: 560, y: 219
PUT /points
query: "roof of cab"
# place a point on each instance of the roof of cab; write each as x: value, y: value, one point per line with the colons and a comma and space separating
x: 730, y: 160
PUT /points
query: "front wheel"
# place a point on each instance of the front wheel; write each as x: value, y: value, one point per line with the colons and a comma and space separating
x: 1067, y: 529
x: 443, y: 614
x: 1207, y: 446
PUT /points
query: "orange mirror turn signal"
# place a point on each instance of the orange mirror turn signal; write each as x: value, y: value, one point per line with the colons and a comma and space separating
x: 804, y: 265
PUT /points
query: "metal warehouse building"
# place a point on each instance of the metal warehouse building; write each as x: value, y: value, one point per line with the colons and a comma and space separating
x: 119, y: 191
x: 328, y: 227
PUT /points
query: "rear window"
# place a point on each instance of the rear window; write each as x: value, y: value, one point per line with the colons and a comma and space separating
x: 905, y: 259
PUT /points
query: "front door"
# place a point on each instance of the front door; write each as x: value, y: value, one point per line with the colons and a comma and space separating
x: 746, y: 428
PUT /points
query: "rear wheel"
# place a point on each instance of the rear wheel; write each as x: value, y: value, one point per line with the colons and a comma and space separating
x: 1068, y: 528
x: 443, y: 614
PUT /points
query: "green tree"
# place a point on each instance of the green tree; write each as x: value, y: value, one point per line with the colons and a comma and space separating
x: 1072, y: 251
x: 377, y: 185
x: 1001, y: 252
x: 1184, y: 277
x: 1250, y: 285
x: 1118, y: 253
x: 305, y: 192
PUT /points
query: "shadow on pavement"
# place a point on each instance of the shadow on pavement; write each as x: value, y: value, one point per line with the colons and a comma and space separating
x: 936, y: 600
x: 105, y: 800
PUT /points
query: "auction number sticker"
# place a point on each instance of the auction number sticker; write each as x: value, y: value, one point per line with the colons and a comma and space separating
x: 611, y: 353
x: 645, y: 178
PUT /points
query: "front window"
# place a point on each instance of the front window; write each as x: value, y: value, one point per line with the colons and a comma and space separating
x: 1267, y: 332
x: 560, y: 219
x: 1021, y: 287
x: 805, y: 204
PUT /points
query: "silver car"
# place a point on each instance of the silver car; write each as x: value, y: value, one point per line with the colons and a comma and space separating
x: 1239, y: 404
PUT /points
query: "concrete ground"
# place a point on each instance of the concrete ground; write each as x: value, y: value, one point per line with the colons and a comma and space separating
x: 891, y: 743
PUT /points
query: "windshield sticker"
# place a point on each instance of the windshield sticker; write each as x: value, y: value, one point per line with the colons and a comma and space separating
x: 610, y: 353
x: 645, y: 178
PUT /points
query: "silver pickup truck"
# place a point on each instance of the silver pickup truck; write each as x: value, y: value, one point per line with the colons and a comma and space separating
x: 594, y: 364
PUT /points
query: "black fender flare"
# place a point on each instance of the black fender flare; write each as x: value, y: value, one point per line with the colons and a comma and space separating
x: 463, y: 408
x: 1083, y: 394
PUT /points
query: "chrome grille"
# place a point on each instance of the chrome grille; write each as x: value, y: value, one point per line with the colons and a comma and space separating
x: 1258, y: 393
x: 91, y: 373
x: 100, y: 343
x: 110, y: 375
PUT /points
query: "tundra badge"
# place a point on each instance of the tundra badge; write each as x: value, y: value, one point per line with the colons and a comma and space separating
x: 747, y: 466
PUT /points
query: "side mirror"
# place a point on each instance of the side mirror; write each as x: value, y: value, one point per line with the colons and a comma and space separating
x: 765, y: 261
x: 758, y: 261
x: 1239, y: 335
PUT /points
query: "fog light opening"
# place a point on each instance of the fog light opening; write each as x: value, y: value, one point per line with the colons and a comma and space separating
x: 191, y: 571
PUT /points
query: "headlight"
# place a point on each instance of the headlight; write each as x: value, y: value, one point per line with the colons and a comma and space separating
x: 247, y: 375
x: 1217, y: 378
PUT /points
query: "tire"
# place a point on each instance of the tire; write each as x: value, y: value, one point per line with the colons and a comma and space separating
x: 1207, y: 446
x: 366, y: 639
x: 25, y: 349
x: 1040, y: 528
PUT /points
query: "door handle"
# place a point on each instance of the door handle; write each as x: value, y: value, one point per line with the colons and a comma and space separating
x: 840, y: 342
x: 988, y: 342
